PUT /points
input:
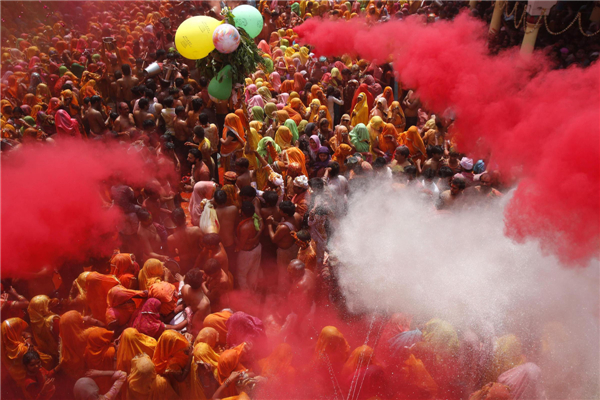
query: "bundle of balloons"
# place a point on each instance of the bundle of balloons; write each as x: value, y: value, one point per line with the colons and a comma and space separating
x: 198, y: 36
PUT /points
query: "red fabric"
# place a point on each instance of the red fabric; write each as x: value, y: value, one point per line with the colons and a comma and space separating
x: 65, y: 125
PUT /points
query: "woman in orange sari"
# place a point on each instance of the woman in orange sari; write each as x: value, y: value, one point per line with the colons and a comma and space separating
x: 122, y: 303
x: 331, y: 349
x: 145, y: 384
x: 293, y: 114
x: 133, y: 343
x: 340, y: 155
x: 396, y: 116
x: 242, y: 116
x: 295, y: 155
x: 97, y: 287
x: 14, y: 347
x: 42, y: 92
x: 232, y: 141
x: 44, y: 325
x: 287, y: 86
x: 152, y: 272
x: 361, y: 357
x: 388, y: 140
x: 284, y: 137
x: 73, y: 335
x: 203, y: 354
x: 100, y: 355
x: 122, y: 266
x: 414, y: 142
x: 207, y: 335
x: 229, y: 361
x: 172, y: 359
x: 218, y: 321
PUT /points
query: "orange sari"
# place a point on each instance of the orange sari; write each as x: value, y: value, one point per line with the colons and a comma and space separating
x: 133, y: 343
x: 74, y: 341
x: 387, y: 137
x: 229, y: 361
x: 295, y: 155
x: 234, y: 124
x: 414, y: 142
x: 97, y: 288
x: 218, y: 321
x: 99, y: 354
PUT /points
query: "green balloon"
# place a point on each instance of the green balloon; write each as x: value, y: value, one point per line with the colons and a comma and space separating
x: 249, y: 19
x: 221, y: 85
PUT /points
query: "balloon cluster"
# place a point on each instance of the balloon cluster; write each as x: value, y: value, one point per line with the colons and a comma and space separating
x: 197, y: 37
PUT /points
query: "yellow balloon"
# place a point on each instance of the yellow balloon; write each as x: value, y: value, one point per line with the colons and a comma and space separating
x: 193, y: 38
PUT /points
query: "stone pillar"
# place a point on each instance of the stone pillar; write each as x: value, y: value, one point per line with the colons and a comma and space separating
x: 497, y: 17
x: 531, y: 32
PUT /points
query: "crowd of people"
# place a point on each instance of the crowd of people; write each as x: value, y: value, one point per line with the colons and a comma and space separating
x: 225, y: 282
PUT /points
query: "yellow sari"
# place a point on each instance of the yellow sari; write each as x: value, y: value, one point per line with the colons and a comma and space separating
x: 133, y: 343
x: 361, y: 111
x: 152, y: 272
x: 144, y: 383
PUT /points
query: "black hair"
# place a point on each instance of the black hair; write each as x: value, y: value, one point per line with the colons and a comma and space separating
x: 184, y: 72
x: 143, y: 103
x: 203, y: 82
x: 202, y: 118
x: 304, y: 235
x: 329, y: 90
x: 429, y: 174
x: 459, y: 182
x: 211, y: 239
x: 86, y: 100
x: 211, y: 266
x: 270, y: 197
x: 248, y: 191
x: 316, y: 184
x: 168, y: 101
x: 118, y: 75
x: 160, y: 53
x: 179, y: 109
x: 287, y: 207
x: 220, y: 197
x: 436, y: 150
x: 403, y: 151
x: 143, y: 214
x: 95, y: 99
x: 379, y: 163
x: 178, y: 216
x: 126, y: 69
x: 149, y: 93
x: 148, y: 123
x: 187, y: 89
x: 173, y: 91
x: 410, y: 170
x: 114, y: 115
x: 445, y: 172
x: 179, y: 82
x: 334, y: 169
x: 196, y: 153
x: 194, y: 278
x: 197, y: 104
x: 199, y: 131
x: 31, y: 356
x: 247, y: 209
x: 242, y: 162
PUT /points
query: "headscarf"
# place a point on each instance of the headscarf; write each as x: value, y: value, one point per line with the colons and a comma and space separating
x: 361, y: 111
x: 360, y: 138
x: 284, y: 137
x: 508, y: 354
x: 148, y: 320
x: 263, y: 150
x: 291, y: 125
x: 265, y: 94
x: 42, y: 324
x: 242, y: 116
x: 258, y: 114
x: 264, y: 47
x: 99, y: 354
x: 299, y: 82
x: 170, y: 352
x: 363, y: 88
x: 65, y: 125
x: 203, y: 352
x: 207, y: 335
x: 121, y: 264
x: 524, y: 382
x: 413, y: 141
x: 318, y: 164
x: 332, y: 346
x: 233, y: 123
x: 14, y: 348
x: 229, y: 362
x: 278, y: 363
x: 218, y: 321
x: 53, y: 106
x: 145, y: 384
x: 242, y: 327
x: 399, y: 121
x: 74, y: 341
x: 122, y: 303
x: 153, y: 271
x: 133, y: 343
x: 387, y: 144
x: 202, y: 190
x: 270, y: 108
x: 340, y: 155
x: 275, y: 80
x: 327, y: 115
x: 166, y: 293
x: 97, y: 287
x: 361, y: 357
x: 282, y: 116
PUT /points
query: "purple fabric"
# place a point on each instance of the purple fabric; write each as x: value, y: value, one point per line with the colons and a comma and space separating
x: 242, y: 327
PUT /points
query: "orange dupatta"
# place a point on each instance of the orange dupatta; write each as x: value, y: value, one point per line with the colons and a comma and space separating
x: 234, y: 124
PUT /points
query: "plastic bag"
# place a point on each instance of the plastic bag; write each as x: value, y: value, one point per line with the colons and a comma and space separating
x: 209, y: 223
